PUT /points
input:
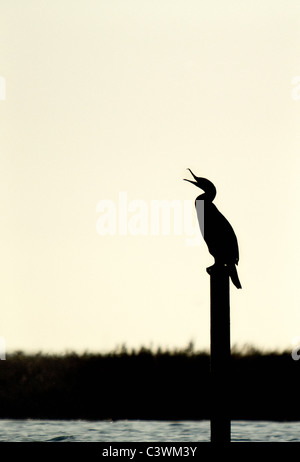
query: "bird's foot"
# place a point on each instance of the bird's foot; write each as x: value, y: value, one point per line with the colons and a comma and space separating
x: 209, y: 269
x: 215, y: 266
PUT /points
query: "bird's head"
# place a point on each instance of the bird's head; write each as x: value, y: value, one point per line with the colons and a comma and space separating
x: 207, y: 186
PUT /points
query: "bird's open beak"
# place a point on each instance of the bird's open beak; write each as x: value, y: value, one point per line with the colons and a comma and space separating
x: 190, y: 181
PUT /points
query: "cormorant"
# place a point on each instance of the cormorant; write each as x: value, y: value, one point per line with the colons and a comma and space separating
x: 216, y: 230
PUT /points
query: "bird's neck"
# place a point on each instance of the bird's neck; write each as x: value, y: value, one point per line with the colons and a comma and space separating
x: 205, y: 197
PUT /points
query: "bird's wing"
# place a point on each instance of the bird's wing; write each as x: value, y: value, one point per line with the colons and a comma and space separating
x: 220, y: 236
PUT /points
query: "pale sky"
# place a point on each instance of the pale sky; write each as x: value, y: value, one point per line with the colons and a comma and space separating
x: 110, y: 96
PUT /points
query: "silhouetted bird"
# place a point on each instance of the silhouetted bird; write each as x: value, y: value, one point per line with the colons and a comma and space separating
x: 216, y: 230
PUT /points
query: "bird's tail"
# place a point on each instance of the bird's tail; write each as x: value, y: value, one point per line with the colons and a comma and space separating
x: 234, y: 276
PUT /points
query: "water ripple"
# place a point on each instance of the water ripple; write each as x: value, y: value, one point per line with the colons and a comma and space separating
x: 141, y: 431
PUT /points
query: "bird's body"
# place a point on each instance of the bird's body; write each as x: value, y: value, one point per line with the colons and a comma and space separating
x: 216, y: 229
x: 219, y: 235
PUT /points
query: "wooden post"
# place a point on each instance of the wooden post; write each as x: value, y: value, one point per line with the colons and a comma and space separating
x: 220, y: 354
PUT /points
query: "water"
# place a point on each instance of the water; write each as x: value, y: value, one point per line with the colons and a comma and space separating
x: 142, y: 431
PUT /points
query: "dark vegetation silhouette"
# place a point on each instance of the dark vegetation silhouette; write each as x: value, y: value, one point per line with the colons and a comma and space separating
x: 216, y: 230
x: 145, y: 384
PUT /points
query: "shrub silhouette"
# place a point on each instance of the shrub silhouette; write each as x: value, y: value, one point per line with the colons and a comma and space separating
x: 161, y: 385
